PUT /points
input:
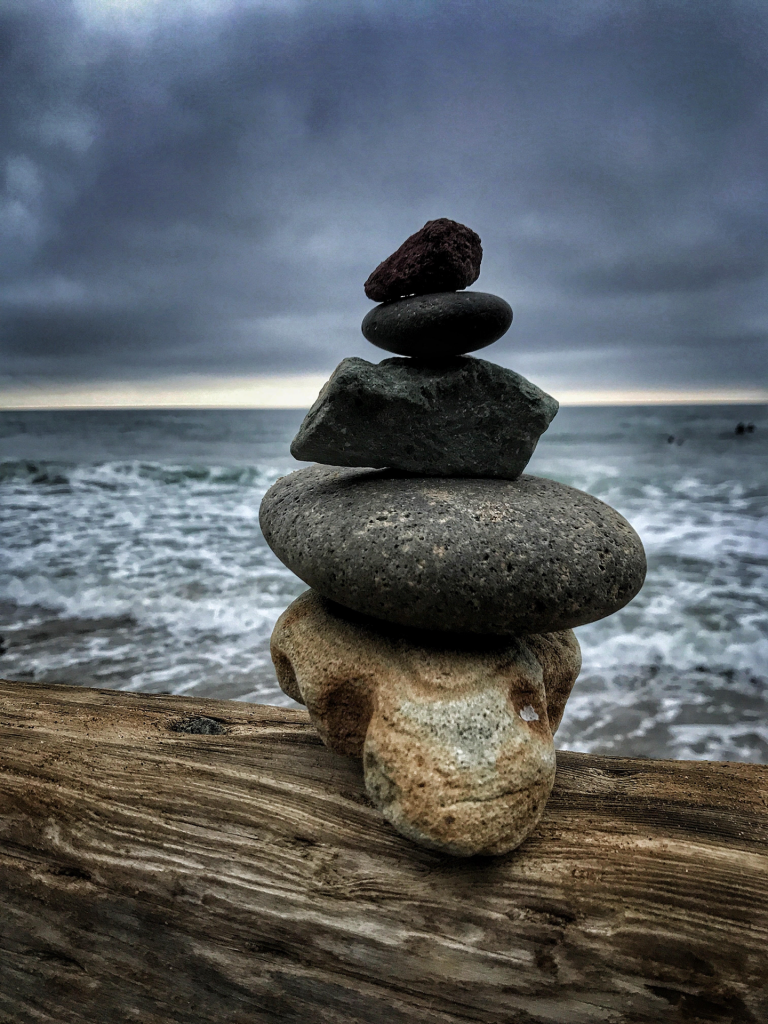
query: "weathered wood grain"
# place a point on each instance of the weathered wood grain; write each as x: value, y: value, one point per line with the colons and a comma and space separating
x: 148, y: 875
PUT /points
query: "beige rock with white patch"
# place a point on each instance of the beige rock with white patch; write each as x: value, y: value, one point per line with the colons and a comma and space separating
x: 455, y: 736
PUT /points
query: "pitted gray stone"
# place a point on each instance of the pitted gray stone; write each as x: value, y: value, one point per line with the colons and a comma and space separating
x: 479, y: 556
x: 467, y: 417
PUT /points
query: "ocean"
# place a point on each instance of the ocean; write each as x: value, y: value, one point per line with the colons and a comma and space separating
x: 132, y: 559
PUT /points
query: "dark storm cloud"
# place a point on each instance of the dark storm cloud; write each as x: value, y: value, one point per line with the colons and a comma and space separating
x: 206, y: 189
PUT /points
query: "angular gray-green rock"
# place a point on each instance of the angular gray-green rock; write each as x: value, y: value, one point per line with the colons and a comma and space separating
x: 477, y: 556
x: 467, y: 417
x: 438, y: 325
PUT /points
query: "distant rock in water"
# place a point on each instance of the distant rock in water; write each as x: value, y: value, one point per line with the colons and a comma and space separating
x: 442, y: 257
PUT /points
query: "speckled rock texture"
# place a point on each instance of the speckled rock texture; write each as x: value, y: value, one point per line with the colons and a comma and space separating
x: 441, y: 256
x: 456, y: 739
x: 438, y: 325
x: 479, y: 556
x: 467, y: 417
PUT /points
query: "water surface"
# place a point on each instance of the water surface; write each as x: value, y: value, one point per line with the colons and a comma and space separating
x: 132, y: 558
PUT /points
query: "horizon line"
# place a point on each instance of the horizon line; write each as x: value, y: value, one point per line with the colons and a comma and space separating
x: 299, y: 391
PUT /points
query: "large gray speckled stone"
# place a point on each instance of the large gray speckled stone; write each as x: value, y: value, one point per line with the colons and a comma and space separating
x: 467, y: 417
x: 438, y: 325
x: 481, y: 556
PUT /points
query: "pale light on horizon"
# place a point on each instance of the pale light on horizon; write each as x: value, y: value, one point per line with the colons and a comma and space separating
x: 299, y: 392
x: 189, y: 392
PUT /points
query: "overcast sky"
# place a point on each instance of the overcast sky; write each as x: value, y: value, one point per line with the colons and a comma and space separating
x: 203, y: 187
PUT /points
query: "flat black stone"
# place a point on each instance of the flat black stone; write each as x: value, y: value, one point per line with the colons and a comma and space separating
x: 438, y: 325
x: 476, y: 556
x: 465, y: 417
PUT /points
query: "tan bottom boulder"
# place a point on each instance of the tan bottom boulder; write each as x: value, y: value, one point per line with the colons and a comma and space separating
x: 455, y: 733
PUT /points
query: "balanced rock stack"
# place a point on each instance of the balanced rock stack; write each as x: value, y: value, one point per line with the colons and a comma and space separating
x: 436, y: 642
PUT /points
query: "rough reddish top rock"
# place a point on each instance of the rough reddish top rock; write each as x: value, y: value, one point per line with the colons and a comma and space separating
x: 444, y: 256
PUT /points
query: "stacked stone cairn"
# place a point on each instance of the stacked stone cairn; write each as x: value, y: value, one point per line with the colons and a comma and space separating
x: 436, y: 640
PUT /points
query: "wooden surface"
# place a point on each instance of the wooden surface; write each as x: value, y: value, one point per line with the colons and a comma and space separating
x: 149, y: 875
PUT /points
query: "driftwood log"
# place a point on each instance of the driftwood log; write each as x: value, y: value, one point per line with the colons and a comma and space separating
x: 151, y: 874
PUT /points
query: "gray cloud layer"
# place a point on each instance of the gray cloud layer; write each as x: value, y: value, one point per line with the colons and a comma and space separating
x: 207, y: 191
